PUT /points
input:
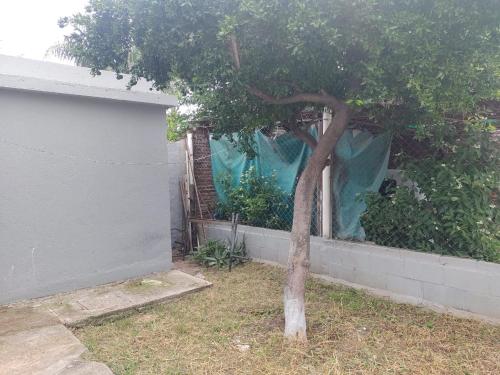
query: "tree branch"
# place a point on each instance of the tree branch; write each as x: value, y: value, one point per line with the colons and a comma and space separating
x: 301, y: 134
x: 321, y: 98
x: 234, y: 49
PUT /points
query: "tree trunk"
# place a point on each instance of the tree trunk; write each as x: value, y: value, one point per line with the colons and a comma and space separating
x: 298, y: 258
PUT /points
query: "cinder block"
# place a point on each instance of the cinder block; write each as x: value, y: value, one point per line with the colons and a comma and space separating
x: 462, y: 278
x: 269, y: 252
x: 386, y: 264
x: 218, y: 233
x: 485, y: 305
x: 494, y: 285
x: 367, y: 248
x: 468, y: 264
x: 353, y: 259
x: 266, y: 241
x: 340, y: 271
x: 375, y: 279
x: 316, y: 242
x: 283, y: 256
x: 252, y: 242
x: 491, y: 268
x: 255, y: 252
x: 435, y: 293
x: 462, y: 300
x: 446, y: 296
x: 319, y: 260
x: 424, y: 271
x: 401, y: 285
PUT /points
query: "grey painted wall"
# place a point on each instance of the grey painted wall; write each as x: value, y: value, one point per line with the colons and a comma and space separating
x: 446, y: 283
x: 84, y: 192
x: 176, y: 171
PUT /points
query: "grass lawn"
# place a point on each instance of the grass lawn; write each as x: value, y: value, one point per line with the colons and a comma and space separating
x: 236, y: 327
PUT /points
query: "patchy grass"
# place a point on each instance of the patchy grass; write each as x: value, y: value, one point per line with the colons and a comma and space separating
x: 142, y: 285
x: 349, y: 333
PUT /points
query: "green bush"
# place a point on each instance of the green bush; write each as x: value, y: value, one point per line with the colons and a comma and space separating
x: 177, y: 125
x: 258, y: 200
x: 452, y: 210
x: 216, y: 253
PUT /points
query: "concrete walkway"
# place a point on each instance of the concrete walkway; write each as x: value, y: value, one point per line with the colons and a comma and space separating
x: 34, y: 339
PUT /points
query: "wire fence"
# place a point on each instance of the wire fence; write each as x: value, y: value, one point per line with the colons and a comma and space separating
x: 433, y: 195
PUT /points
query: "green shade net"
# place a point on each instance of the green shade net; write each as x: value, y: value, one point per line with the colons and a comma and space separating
x: 360, y: 166
x: 361, y: 161
x: 284, y: 156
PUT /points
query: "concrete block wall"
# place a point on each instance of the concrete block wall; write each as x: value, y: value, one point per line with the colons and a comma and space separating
x: 446, y: 283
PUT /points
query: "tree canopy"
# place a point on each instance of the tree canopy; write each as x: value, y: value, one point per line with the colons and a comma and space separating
x: 402, y: 60
x: 251, y: 63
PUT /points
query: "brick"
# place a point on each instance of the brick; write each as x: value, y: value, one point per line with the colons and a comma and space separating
x: 202, y: 169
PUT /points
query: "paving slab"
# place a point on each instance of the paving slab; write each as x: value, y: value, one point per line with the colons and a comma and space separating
x: 84, y: 305
x: 22, y: 318
x: 44, y: 350
x: 34, y: 339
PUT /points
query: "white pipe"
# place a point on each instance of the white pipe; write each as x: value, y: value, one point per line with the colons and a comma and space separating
x: 327, y: 190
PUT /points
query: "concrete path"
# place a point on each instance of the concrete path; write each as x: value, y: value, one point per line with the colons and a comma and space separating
x: 33, y: 335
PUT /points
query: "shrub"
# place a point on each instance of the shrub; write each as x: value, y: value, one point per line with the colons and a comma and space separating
x: 177, y: 125
x: 258, y: 200
x: 216, y: 253
x: 453, y: 211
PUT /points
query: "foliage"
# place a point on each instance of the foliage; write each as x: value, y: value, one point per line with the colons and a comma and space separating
x: 258, y: 200
x: 216, y: 253
x: 177, y: 125
x: 420, y: 59
x: 452, y: 209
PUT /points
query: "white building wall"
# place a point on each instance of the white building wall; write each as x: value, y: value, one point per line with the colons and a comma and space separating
x: 84, y: 190
x: 177, y: 171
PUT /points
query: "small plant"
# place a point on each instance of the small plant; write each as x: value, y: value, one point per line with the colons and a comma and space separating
x: 217, y: 253
x: 258, y: 200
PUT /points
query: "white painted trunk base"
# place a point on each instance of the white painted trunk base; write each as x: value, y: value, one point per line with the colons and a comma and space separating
x: 295, y: 318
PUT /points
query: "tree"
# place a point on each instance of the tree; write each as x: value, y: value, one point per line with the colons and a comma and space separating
x: 249, y: 63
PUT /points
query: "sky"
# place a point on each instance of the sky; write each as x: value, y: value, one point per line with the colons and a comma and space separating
x: 29, y: 27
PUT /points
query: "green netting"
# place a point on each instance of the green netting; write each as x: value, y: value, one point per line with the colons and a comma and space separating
x: 360, y: 166
x: 284, y: 156
x: 361, y: 161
